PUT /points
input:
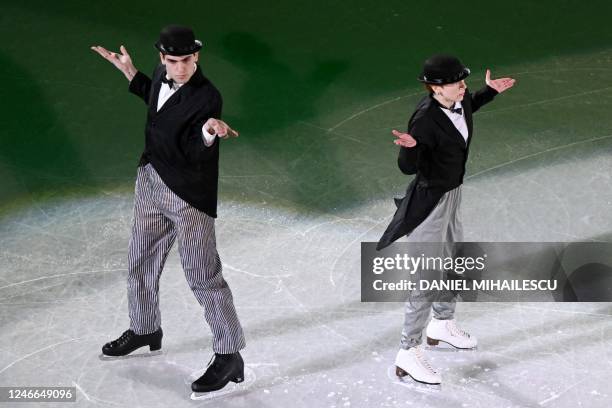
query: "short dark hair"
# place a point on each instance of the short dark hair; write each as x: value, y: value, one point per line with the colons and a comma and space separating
x: 428, y: 88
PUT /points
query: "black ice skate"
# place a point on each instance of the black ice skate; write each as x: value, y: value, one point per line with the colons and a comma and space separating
x: 130, y: 341
x: 222, y: 369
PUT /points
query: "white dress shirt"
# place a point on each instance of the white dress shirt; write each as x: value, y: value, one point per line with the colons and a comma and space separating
x: 165, y: 92
x: 458, y: 120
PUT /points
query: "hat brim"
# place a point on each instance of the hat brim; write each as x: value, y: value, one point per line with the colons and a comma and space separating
x: 443, y: 81
x: 195, y: 47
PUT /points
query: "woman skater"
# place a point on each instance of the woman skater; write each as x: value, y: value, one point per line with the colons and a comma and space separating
x: 435, y: 149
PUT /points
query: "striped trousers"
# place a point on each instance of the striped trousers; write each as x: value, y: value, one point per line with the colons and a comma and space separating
x: 442, y: 225
x: 160, y: 217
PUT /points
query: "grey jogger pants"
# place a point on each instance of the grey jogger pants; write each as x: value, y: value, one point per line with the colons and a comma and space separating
x: 442, y: 225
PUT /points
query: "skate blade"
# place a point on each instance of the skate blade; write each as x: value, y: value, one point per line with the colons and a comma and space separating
x: 411, y: 384
x: 447, y: 347
x: 230, y: 388
x: 104, y: 357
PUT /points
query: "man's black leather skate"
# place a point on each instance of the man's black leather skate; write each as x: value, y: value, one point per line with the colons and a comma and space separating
x: 222, y: 369
x: 130, y: 341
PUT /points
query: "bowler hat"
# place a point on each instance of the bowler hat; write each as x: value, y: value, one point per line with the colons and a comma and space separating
x: 443, y: 69
x: 177, y: 40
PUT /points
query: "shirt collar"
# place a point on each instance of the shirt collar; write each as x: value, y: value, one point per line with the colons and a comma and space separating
x: 455, y: 106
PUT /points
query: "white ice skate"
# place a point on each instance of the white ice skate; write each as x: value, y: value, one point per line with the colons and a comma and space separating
x: 412, y: 362
x: 446, y: 331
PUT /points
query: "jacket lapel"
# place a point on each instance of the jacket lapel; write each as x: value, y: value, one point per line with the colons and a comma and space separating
x: 446, y: 124
x: 172, y: 100
x: 467, y: 109
x: 195, y: 81
x: 155, y: 94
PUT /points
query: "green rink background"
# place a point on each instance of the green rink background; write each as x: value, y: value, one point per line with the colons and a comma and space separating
x: 314, y: 89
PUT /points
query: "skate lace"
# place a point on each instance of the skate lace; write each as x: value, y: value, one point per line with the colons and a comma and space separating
x: 124, y: 338
x: 423, y: 361
x: 456, y: 331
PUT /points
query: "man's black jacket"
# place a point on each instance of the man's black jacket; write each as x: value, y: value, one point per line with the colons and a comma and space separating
x: 173, y: 137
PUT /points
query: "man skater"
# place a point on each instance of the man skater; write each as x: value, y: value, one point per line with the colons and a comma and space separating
x: 176, y: 198
x: 436, y: 150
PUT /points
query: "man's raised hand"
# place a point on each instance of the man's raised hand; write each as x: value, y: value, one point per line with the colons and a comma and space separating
x: 122, y: 60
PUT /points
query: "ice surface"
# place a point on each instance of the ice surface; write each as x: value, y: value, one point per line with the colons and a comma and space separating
x: 295, y: 273
x: 295, y: 279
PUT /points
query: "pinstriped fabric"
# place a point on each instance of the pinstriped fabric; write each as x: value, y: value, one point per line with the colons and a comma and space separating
x: 160, y: 218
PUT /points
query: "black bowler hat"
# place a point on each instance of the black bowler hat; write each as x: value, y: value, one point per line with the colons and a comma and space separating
x: 177, y: 40
x: 443, y: 69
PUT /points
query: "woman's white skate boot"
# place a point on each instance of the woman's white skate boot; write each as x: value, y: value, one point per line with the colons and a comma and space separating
x: 446, y: 331
x: 413, y: 363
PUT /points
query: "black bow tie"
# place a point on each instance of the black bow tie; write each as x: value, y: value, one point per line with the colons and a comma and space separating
x: 168, y: 81
x: 456, y: 110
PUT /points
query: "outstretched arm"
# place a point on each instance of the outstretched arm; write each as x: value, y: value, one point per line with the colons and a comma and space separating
x: 408, y: 154
x: 123, y: 61
x: 494, y: 87
x: 219, y: 128
x: 501, y: 84
x: 140, y: 84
